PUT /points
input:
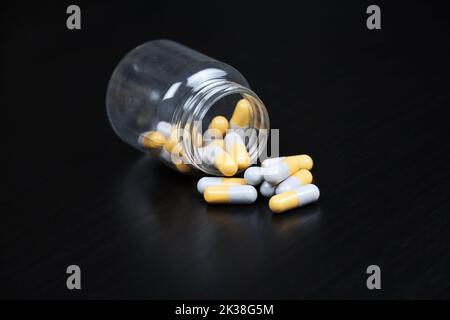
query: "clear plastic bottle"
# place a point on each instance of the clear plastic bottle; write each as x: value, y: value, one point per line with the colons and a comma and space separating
x: 163, y: 83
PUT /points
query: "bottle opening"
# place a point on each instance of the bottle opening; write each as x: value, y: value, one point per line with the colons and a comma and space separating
x: 201, y: 123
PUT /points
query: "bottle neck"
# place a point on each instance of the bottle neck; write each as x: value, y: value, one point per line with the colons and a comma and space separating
x: 190, y: 116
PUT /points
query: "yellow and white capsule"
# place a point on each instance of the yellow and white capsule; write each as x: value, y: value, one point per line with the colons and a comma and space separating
x: 151, y: 140
x: 235, y: 147
x: 165, y: 155
x: 300, y: 178
x: 211, y: 135
x: 215, y: 155
x: 177, y: 158
x: 165, y: 128
x: 271, y: 161
x: 267, y: 189
x: 238, y: 194
x: 219, y: 123
x: 295, y: 198
x: 206, y: 182
x: 242, y: 115
x: 286, y: 167
x: 171, y: 141
x: 254, y: 175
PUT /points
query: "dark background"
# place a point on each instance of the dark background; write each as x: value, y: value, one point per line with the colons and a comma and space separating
x: 369, y: 106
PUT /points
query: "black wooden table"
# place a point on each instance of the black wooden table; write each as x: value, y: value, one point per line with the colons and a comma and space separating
x: 370, y: 106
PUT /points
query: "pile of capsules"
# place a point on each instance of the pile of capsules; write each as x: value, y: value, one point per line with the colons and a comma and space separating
x: 286, y: 180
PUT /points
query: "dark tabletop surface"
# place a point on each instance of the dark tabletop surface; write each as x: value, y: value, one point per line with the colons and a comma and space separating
x: 371, y: 107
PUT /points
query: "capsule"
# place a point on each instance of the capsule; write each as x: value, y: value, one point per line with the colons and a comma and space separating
x: 206, y: 182
x: 300, y: 178
x: 220, y: 159
x: 211, y: 135
x: 164, y: 154
x: 235, y: 147
x: 177, y: 158
x: 295, y: 198
x: 151, y: 140
x: 254, y: 175
x: 286, y: 167
x: 236, y: 194
x: 271, y: 161
x: 165, y: 128
x: 267, y: 189
x: 242, y: 115
x: 171, y: 141
x: 219, y: 123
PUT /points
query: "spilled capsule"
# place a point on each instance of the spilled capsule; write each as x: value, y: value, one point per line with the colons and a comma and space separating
x: 234, y: 194
x: 286, y: 167
x: 206, y: 182
x: 236, y: 148
x: 271, y: 161
x: 267, y: 189
x: 300, y: 178
x: 295, y: 198
x: 241, y: 117
x: 254, y: 175
x: 151, y: 140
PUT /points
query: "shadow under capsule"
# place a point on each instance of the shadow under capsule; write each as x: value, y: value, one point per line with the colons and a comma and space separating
x: 303, y: 219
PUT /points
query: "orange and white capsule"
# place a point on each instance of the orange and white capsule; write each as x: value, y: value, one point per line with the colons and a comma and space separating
x: 295, y: 198
x: 215, y: 155
x: 235, y: 194
x: 151, y: 140
x: 219, y: 123
x: 300, y: 178
x: 236, y: 148
x: 242, y: 115
x: 286, y: 167
x: 207, y: 182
